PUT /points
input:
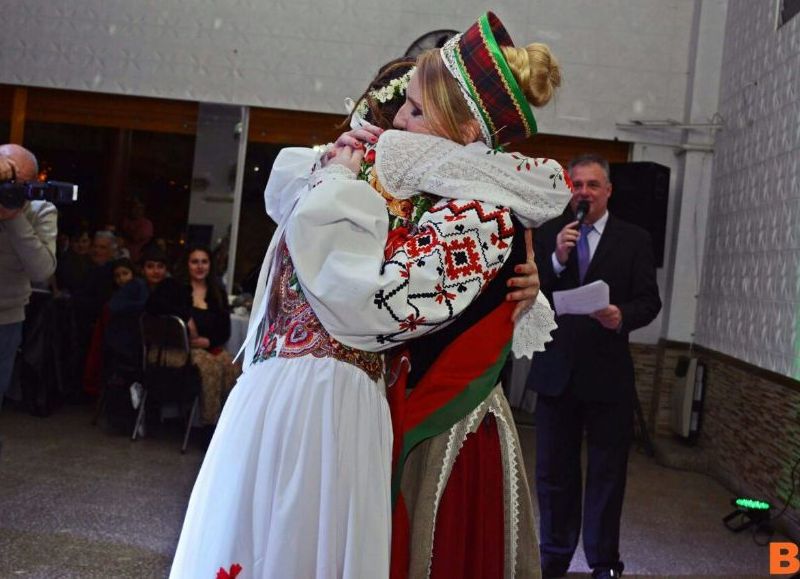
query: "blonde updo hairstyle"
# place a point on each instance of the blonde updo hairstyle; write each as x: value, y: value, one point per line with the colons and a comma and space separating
x: 536, y: 70
x: 534, y: 67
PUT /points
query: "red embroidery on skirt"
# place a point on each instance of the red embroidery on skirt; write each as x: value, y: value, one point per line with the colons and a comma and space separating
x: 234, y: 571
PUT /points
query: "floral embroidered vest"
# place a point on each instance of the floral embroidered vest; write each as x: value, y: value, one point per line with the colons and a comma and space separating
x: 294, y: 330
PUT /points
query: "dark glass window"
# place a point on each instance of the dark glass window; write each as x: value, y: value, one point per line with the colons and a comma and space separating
x: 789, y: 9
x: 160, y: 175
x: 76, y: 154
x: 155, y: 167
x: 255, y: 227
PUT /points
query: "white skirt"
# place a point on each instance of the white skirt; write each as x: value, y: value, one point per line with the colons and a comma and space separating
x: 296, y: 481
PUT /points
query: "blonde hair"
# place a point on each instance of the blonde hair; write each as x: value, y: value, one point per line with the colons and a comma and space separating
x: 534, y: 67
x: 536, y: 70
x: 446, y: 116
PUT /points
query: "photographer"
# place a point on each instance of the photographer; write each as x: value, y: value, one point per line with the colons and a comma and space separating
x: 27, y: 253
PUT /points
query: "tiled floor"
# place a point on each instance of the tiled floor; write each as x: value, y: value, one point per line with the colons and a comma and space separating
x: 672, y: 525
x: 78, y: 502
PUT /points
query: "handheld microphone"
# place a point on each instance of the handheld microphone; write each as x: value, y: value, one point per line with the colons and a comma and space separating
x: 581, y: 211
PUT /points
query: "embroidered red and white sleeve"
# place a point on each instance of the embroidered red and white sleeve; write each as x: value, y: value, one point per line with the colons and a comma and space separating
x: 439, y: 270
x: 365, y: 299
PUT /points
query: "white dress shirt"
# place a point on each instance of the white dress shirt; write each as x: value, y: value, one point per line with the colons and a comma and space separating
x: 594, y: 238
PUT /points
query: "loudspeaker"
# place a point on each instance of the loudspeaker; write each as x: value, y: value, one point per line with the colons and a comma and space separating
x: 640, y: 195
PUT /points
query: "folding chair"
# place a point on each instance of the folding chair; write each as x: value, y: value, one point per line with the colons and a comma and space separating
x: 169, y: 375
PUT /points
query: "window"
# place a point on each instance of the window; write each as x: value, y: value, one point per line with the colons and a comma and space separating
x: 788, y: 10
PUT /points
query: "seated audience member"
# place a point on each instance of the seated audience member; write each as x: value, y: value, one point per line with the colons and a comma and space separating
x: 104, y: 247
x: 74, y: 264
x: 122, y: 249
x: 122, y: 338
x: 122, y: 347
x: 212, y: 323
x: 62, y: 242
x: 117, y: 326
x: 136, y: 228
x: 98, y: 285
x: 200, y: 302
x: 81, y: 241
x: 88, y: 300
x: 168, y: 296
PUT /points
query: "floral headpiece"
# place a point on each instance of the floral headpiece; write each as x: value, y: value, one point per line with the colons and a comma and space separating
x: 396, y: 88
x: 497, y: 102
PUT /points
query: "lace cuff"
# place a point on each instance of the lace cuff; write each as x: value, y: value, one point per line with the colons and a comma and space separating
x: 532, y: 330
x: 331, y: 172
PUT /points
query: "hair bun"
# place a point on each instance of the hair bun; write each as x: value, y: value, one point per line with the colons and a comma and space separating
x: 536, y: 70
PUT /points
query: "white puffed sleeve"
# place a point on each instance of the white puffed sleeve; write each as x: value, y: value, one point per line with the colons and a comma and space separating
x: 289, y: 177
x: 371, y: 295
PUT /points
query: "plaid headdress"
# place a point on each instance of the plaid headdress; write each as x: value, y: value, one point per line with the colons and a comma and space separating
x: 497, y: 102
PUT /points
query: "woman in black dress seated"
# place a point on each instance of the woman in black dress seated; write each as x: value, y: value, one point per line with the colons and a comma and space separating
x: 198, y: 297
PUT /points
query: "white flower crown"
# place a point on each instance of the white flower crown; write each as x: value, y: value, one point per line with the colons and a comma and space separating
x: 396, y: 88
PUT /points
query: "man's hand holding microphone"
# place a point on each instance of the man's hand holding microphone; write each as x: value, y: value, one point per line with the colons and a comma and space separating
x: 609, y: 317
x: 568, y: 237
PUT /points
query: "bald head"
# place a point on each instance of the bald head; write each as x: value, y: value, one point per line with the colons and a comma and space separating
x: 26, y: 165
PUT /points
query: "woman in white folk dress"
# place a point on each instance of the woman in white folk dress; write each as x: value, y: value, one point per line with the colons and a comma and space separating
x: 296, y: 481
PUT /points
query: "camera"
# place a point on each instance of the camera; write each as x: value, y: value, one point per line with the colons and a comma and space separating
x: 13, y: 194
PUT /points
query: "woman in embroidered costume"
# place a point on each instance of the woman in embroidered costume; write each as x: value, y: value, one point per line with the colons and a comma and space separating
x: 296, y: 482
x: 462, y: 503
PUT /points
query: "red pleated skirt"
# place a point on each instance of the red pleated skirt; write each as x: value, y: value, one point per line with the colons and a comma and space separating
x: 469, y: 540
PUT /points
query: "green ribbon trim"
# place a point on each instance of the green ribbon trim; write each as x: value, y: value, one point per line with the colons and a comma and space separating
x: 445, y: 417
x: 487, y: 120
x: 508, y: 76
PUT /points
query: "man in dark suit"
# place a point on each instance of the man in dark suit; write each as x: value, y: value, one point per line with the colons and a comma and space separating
x: 584, y: 378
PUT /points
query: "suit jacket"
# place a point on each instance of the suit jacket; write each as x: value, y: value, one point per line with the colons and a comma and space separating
x: 593, y: 361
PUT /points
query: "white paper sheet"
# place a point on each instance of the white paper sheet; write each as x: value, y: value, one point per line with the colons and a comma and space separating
x: 582, y: 300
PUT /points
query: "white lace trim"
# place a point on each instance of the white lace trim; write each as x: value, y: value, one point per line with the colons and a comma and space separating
x: 330, y: 172
x: 511, y: 469
x: 409, y: 163
x: 448, y: 52
x: 533, y: 329
x: 404, y: 159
